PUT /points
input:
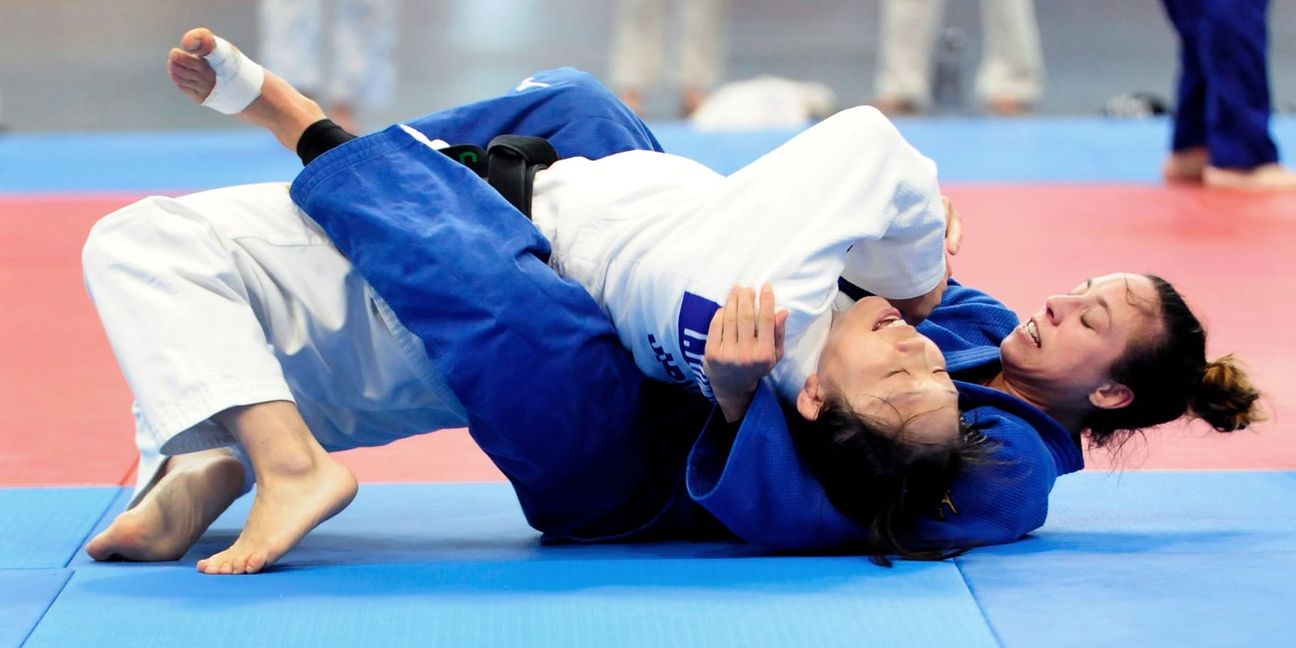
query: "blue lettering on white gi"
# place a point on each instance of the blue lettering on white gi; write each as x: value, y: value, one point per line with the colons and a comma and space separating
x: 694, y: 322
x: 667, y: 360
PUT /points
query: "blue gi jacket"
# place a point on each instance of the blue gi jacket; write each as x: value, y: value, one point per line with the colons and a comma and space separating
x: 1008, y: 498
x: 755, y: 485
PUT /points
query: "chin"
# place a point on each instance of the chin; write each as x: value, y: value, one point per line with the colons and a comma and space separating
x: 1012, y: 351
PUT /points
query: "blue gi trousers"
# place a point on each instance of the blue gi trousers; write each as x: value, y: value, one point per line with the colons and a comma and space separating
x: 1224, y: 81
x: 593, y: 449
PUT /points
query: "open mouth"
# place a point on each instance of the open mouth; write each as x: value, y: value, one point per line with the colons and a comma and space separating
x: 1032, y: 330
x: 889, y: 318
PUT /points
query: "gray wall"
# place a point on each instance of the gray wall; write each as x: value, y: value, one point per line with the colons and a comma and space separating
x: 82, y: 64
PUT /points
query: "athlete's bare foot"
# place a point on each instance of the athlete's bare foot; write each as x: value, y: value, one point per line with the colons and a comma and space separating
x: 690, y: 99
x: 298, y: 486
x: 195, y: 489
x: 633, y: 99
x: 1266, y: 177
x: 1186, y: 166
x: 282, y: 514
x: 280, y: 108
x: 1007, y: 106
x: 896, y: 106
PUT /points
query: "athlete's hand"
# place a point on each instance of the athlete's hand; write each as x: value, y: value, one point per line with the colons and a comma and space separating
x: 953, y: 228
x: 743, y: 345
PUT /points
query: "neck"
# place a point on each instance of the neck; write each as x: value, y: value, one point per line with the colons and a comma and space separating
x: 1069, y: 418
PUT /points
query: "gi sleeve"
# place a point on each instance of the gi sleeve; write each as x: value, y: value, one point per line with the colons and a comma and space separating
x: 898, y: 184
x: 1001, y: 500
x: 968, y: 326
x: 751, y: 479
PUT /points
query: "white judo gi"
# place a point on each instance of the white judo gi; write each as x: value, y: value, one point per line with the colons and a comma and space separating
x: 659, y: 240
x: 234, y: 297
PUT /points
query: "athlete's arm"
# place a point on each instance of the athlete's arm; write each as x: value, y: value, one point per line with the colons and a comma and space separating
x: 916, y: 309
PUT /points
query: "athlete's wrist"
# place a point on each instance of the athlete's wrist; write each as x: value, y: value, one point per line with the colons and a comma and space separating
x: 733, y: 406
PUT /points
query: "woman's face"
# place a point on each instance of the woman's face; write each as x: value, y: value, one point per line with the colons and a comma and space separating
x: 1062, y: 355
x: 886, y: 370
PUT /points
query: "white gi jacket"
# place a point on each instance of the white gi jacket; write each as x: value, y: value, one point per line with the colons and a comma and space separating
x: 659, y: 240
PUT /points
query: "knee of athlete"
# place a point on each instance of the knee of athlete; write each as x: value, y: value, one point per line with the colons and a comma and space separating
x: 128, y: 234
x: 889, y: 463
x: 107, y: 242
x: 868, y: 119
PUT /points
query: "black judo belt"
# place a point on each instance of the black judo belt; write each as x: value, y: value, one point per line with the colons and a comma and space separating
x: 508, y: 164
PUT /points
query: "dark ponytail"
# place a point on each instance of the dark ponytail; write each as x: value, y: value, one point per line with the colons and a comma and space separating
x: 1226, y: 399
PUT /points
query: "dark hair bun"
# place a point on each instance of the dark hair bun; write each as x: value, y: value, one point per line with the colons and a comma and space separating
x: 1226, y: 398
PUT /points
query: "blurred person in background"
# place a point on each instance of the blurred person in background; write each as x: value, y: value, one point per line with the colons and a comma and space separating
x: 1221, y: 128
x: 343, y: 59
x: 1011, y: 76
x: 639, y: 43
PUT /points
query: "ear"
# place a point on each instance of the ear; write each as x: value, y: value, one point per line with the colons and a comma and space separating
x: 1110, y: 396
x: 811, y: 398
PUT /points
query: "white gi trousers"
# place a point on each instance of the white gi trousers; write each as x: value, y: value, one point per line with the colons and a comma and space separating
x: 234, y: 297
x: 1012, y: 61
x: 351, y: 62
x: 639, y: 43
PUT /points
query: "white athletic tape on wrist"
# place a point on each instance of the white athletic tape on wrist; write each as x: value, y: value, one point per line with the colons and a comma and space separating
x: 238, y: 79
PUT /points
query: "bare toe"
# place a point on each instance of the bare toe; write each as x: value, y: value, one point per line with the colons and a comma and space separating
x: 200, y: 41
x: 192, y: 75
x: 182, y: 59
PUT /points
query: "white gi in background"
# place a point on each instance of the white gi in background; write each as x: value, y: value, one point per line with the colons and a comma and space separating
x: 1012, y: 60
x: 233, y: 297
x: 351, y: 62
x: 660, y: 240
x: 639, y: 43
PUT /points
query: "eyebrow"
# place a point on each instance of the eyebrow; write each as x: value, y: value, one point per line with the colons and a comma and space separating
x: 910, y: 392
x: 1102, y: 301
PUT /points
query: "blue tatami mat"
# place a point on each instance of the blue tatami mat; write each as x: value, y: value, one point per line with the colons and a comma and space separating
x: 25, y: 594
x: 1167, y: 512
x: 412, y: 523
x: 43, y: 527
x: 141, y: 162
x: 1087, y: 599
x: 817, y: 602
x: 1149, y: 558
x: 1053, y: 149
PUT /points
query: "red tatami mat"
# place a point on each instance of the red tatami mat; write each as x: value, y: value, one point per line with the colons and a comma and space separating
x: 64, y: 407
x: 1232, y: 255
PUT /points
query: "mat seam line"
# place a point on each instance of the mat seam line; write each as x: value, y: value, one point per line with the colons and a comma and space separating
x: 45, y: 612
x: 958, y: 564
x: 129, y: 469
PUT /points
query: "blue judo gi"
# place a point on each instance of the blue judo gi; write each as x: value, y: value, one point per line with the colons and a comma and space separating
x: 994, y: 503
x: 551, y: 395
x: 1224, y: 102
x: 594, y: 450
